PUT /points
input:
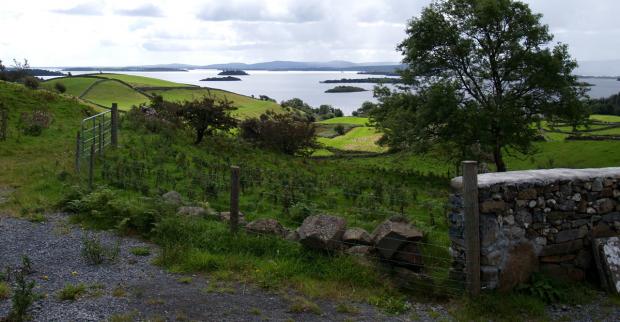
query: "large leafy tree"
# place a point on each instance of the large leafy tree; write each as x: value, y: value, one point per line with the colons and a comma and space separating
x: 480, y: 73
x: 206, y: 116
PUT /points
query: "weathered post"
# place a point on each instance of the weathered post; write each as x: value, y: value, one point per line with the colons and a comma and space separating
x: 91, y: 166
x: 78, y: 150
x: 4, y: 122
x: 114, y: 126
x: 472, y: 225
x: 234, y: 198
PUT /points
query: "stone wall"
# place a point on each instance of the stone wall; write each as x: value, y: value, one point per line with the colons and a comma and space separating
x: 539, y: 220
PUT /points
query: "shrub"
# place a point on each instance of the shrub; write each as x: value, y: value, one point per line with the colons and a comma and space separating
x: 23, y: 297
x: 5, y: 290
x: 35, y: 122
x: 301, y: 211
x: 141, y: 251
x: 339, y: 129
x: 95, y: 253
x: 286, y: 133
x: 60, y: 87
x: 71, y: 292
x: 31, y: 82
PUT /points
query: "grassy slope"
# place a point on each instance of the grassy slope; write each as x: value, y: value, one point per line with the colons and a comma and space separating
x: 346, y: 120
x: 32, y: 164
x: 569, y: 154
x: 247, y: 106
x: 108, y: 92
x: 142, y: 81
x: 606, y: 118
x: 358, y: 139
x: 75, y: 85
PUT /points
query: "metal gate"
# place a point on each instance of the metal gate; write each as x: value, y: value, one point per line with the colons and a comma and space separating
x: 96, y: 133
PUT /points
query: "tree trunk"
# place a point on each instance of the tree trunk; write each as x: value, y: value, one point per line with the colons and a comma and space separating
x: 499, y: 160
x: 199, y: 135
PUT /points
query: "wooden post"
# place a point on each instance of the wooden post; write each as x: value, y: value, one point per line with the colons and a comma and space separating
x: 114, y: 126
x: 100, y: 150
x: 472, y: 225
x: 234, y: 198
x: 91, y: 166
x: 4, y: 121
x: 78, y: 149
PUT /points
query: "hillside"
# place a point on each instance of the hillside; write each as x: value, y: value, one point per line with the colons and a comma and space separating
x: 130, y: 90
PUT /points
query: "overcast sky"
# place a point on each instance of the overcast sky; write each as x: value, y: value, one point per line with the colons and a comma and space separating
x: 117, y: 32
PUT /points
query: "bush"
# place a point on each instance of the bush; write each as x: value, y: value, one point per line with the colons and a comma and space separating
x: 35, y: 122
x: 286, y: 133
x: 31, y: 82
x: 71, y: 292
x: 60, y: 87
x: 206, y: 116
x: 339, y: 129
x: 23, y: 297
x: 96, y: 253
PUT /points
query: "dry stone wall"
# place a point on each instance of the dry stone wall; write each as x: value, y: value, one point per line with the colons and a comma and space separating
x: 539, y: 220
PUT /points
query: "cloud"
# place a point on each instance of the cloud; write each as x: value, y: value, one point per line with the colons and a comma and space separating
x: 165, y: 46
x: 146, y: 10
x: 84, y: 9
x: 244, y: 10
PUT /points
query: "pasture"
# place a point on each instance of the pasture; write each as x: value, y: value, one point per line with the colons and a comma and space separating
x: 109, y: 91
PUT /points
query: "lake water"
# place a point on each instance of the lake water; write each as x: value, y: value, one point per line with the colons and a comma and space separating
x: 283, y: 85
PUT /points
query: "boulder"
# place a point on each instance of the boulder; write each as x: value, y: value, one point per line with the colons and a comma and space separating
x: 521, y: 262
x: 322, y: 232
x: 292, y: 235
x: 192, y: 211
x: 409, y: 256
x: 390, y: 236
x: 607, y: 257
x: 225, y: 216
x: 172, y: 198
x: 266, y: 226
x: 356, y: 236
x: 359, y: 250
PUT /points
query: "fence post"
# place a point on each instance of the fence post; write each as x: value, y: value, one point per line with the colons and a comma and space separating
x: 4, y: 121
x: 91, y: 166
x: 472, y: 225
x: 114, y: 126
x: 100, y: 138
x: 234, y: 198
x: 78, y: 149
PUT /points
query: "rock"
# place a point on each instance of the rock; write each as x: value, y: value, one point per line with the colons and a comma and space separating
x: 322, y: 232
x: 607, y: 258
x: 489, y: 230
x: 408, y: 256
x: 611, y: 217
x: 571, y: 234
x: 509, y: 220
x: 192, y: 211
x: 597, y: 185
x: 491, y: 206
x: 563, y: 248
x: 359, y: 250
x: 489, y: 276
x: 605, y: 205
x: 172, y: 198
x: 225, y: 216
x: 292, y: 235
x: 521, y: 262
x: 569, y: 273
x: 390, y: 236
x: 356, y: 236
x: 602, y: 230
x: 266, y: 226
x: 557, y: 258
x: 527, y: 194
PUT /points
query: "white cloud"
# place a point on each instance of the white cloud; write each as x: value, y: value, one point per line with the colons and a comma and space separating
x: 84, y: 9
x: 145, y: 10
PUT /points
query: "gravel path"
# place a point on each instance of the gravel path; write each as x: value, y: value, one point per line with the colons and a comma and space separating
x: 134, y: 289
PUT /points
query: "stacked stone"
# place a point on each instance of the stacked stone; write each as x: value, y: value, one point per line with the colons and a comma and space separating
x: 533, y: 225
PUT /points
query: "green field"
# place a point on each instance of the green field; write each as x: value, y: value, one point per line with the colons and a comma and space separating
x: 141, y: 81
x: 346, y: 120
x: 606, y: 118
x: 359, y: 139
x: 110, y: 91
x: 75, y: 85
x: 247, y: 106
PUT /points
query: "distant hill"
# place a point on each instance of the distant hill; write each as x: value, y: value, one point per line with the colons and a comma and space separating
x: 125, y: 69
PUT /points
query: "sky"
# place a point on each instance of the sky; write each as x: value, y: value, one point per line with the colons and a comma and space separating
x: 122, y: 33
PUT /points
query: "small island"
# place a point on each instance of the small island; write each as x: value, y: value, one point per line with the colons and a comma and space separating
x: 221, y: 79
x: 345, y: 89
x: 233, y: 72
x: 373, y: 80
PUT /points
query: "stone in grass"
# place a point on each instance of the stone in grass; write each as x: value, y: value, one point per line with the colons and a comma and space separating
x: 172, y: 198
x: 390, y: 236
x: 225, y: 216
x: 607, y: 257
x: 356, y: 236
x: 322, y: 232
x: 266, y: 226
x: 409, y: 256
x: 192, y: 211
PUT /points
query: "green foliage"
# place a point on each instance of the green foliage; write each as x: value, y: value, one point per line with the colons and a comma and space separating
x: 5, y: 290
x: 35, y: 122
x: 286, y: 133
x: 391, y: 304
x: 303, y: 305
x: 60, y: 87
x: 323, y: 112
x: 345, y: 89
x: 541, y: 288
x: 141, y: 251
x: 22, y: 298
x: 72, y: 292
x: 31, y: 82
x: 339, y: 129
x: 475, y: 84
x: 206, y: 116
x: 96, y: 253
x: 511, y: 307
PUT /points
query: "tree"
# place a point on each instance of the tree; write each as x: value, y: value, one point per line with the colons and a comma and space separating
x: 486, y: 62
x: 206, y: 116
x: 285, y: 132
x: 60, y: 87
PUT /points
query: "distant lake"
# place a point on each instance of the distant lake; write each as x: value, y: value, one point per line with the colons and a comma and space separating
x: 283, y: 85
